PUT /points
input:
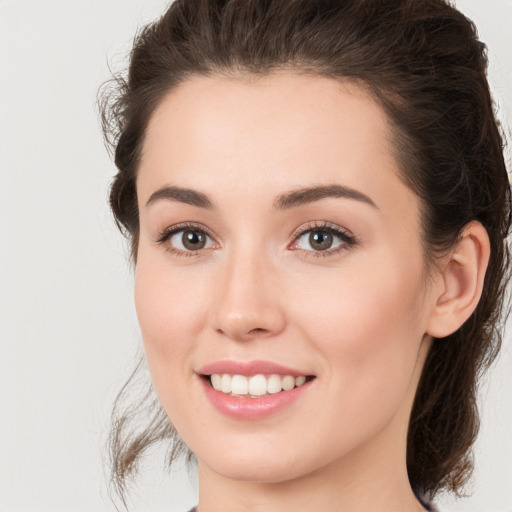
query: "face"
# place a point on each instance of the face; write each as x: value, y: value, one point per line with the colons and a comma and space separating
x: 280, y: 259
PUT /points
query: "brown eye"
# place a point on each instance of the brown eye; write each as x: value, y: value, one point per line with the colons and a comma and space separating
x: 187, y: 240
x: 320, y: 240
x: 324, y: 240
x: 193, y: 240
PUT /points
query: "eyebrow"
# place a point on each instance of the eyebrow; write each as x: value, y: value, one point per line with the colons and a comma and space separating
x: 182, y: 195
x: 284, y: 201
x: 310, y: 194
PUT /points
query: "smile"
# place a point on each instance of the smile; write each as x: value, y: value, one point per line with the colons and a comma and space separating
x: 253, y: 390
x: 255, y: 386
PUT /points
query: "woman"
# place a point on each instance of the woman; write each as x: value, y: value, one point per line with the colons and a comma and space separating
x: 318, y: 206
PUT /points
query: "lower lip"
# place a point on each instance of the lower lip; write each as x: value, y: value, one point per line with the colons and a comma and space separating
x: 245, y: 408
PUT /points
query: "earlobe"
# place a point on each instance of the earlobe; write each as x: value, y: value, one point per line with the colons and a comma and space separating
x: 460, y: 281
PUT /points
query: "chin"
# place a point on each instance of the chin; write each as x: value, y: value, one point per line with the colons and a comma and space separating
x: 255, y: 471
x: 263, y: 460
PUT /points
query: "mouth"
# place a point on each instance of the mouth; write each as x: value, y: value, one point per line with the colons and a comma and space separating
x: 253, y: 390
x: 255, y: 386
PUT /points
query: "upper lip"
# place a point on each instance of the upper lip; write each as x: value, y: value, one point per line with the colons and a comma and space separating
x: 248, y: 368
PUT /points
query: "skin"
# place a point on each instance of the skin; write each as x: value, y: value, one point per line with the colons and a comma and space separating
x: 358, y: 319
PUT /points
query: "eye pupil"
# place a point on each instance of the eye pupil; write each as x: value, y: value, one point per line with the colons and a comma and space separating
x: 320, y: 240
x: 193, y: 240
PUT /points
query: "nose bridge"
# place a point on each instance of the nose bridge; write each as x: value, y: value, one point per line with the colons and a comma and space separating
x: 248, y: 302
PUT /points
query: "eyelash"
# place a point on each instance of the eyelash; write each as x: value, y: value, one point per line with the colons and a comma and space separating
x: 166, y: 235
x: 348, y: 240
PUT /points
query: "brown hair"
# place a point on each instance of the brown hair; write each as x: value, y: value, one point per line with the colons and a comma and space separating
x: 424, y: 64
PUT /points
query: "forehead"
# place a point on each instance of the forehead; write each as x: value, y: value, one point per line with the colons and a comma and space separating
x: 284, y: 130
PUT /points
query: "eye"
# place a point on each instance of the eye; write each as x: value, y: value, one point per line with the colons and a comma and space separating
x: 185, y: 239
x: 188, y: 240
x: 323, y: 239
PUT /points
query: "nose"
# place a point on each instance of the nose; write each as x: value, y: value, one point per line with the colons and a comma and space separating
x: 248, y: 304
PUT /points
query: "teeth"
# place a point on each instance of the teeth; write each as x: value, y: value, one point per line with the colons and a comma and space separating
x: 288, y: 382
x: 239, y: 385
x: 300, y: 380
x: 225, y: 383
x: 274, y: 384
x: 257, y: 385
x: 216, y: 381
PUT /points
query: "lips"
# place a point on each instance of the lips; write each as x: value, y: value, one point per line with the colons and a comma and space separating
x: 252, y: 390
x: 248, y: 368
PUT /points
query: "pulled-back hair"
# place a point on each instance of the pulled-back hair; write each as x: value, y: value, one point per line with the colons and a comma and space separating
x: 423, y: 63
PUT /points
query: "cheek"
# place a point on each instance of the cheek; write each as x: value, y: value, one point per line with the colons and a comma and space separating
x: 367, y: 325
x: 170, y: 312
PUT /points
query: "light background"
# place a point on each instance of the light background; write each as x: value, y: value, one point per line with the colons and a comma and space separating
x: 68, y: 332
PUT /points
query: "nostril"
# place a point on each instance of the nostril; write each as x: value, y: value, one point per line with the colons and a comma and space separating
x: 240, y: 334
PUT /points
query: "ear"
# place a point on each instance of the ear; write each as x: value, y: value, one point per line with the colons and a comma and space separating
x: 460, y: 282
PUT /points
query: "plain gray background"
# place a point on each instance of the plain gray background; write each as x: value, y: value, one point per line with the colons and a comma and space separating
x: 68, y: 332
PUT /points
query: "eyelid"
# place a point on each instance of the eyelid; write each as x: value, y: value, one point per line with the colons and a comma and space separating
x: 347, y: 238
x: 166, y: 234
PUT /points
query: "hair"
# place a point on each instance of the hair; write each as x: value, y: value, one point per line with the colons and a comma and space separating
x: 423, y: 63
